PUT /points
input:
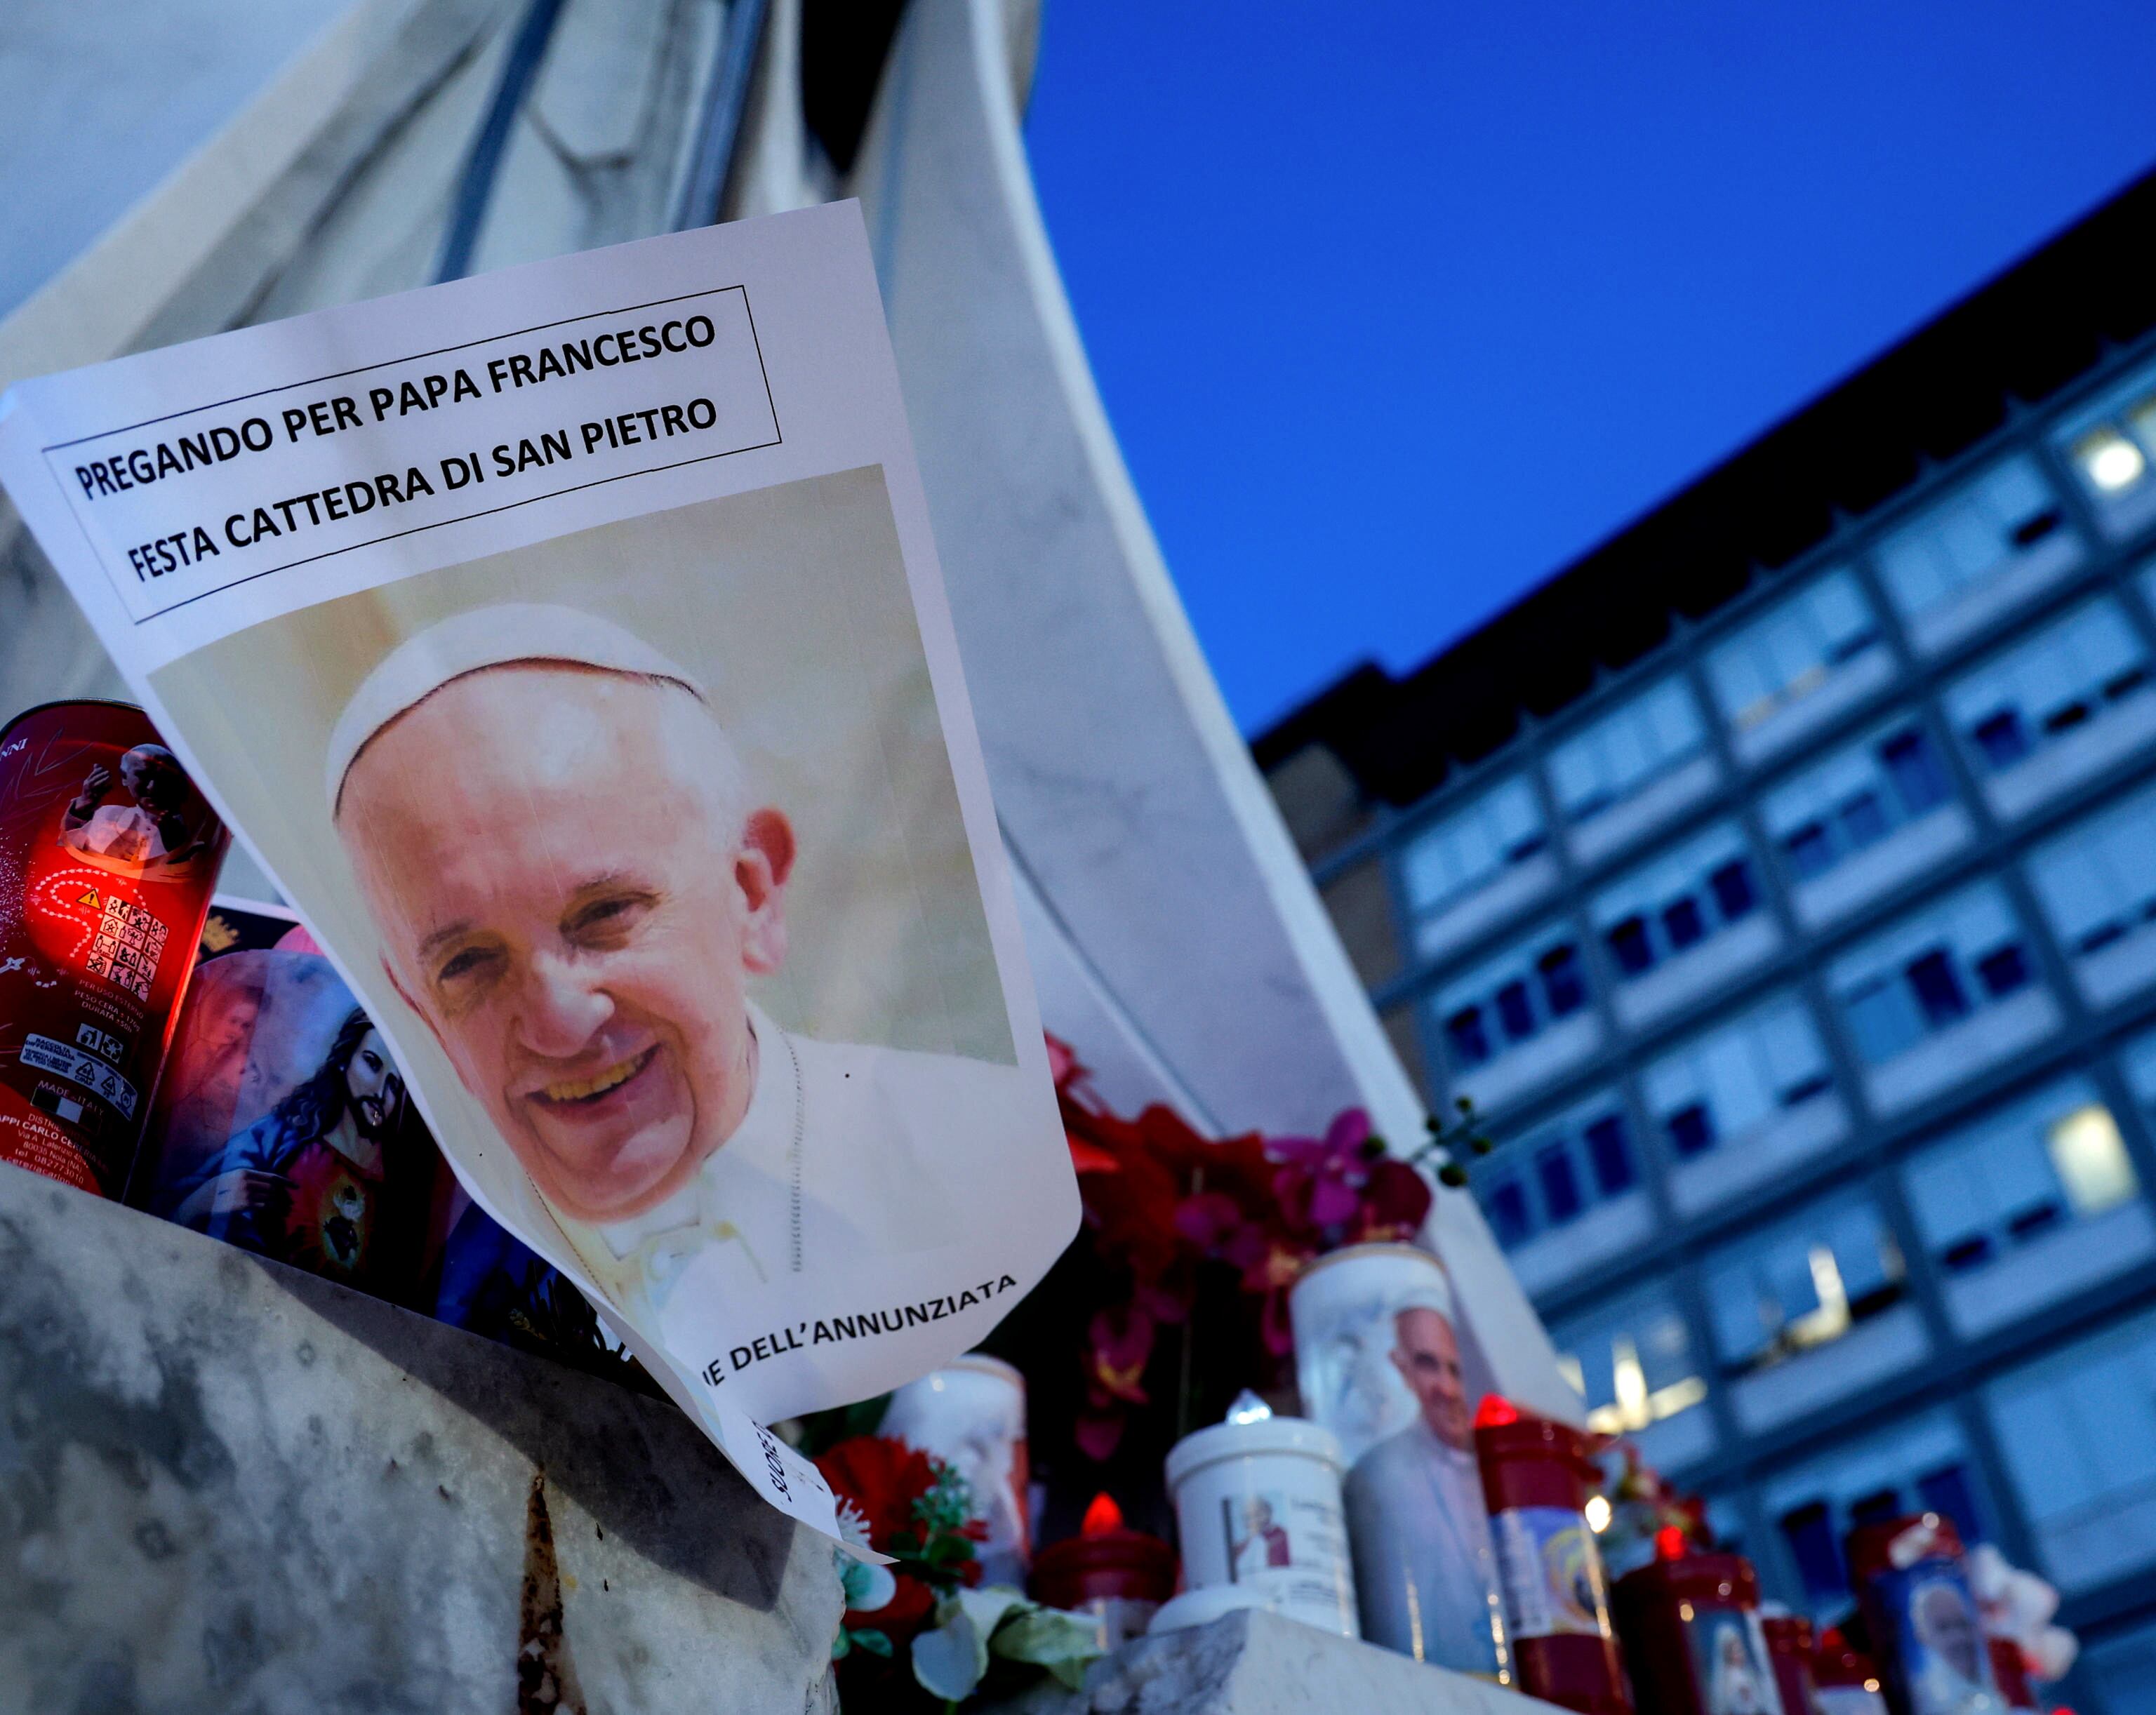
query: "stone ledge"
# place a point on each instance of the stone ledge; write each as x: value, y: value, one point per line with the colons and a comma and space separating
x: 1254, y: 1663
x: 227, y: 1485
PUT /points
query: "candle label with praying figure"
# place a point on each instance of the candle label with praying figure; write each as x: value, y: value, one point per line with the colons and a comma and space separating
x: 107, y: 856
x: 1536, y: 1476
x: 1551, y: 1575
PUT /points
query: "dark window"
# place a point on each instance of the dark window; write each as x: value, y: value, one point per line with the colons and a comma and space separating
x: 2066, y: 716
x: 1816, y: 1084
x: 2003, y: 969
x: 1692, y: 1130
x: 1561, y: 986
x: 1610, y: 1153
x: 1914, y: 768
x: 1863, y: 820
x: 1629, y: 947
x: 2123, y: 684
x: 2036, y: 527
x: 1808, y: 1530
x: 1938, y: 988
x: 1506, y: 1204
x: 1852, y: 646
x: 1946, y: 1491
x: 1470, y: 1042
x: 2030, y: 1222
x: 1682, y: 922
x: 1966, y: 1254
x: 1516, y: 1011
x: 1811, y: 853
x: 2101, y: 937
x: 1733, y: 892
x: 2001, y: 739
x: 1878, y: 1507
x: 1561, y: 1199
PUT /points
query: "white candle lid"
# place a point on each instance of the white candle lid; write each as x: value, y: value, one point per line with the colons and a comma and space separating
x: 1254, y: 1435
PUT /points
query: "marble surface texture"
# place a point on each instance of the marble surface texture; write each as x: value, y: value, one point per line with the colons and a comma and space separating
x: 1255, y: 1663
x: 228, y: 1486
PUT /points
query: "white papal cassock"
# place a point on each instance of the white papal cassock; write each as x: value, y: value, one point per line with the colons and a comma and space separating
x: 847, y: 1152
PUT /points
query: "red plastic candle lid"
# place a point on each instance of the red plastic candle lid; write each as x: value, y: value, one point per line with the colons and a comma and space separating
x: 1710, y: 1580
x: 1899, y: 1543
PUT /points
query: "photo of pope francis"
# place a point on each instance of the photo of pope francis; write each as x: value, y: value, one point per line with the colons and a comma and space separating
x: 574, y: 887
x: 1425, y: 1574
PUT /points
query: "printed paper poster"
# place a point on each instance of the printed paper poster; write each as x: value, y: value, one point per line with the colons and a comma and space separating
x: 568, y: 643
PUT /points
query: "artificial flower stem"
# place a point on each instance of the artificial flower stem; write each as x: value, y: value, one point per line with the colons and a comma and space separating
x: 1189, y: 1332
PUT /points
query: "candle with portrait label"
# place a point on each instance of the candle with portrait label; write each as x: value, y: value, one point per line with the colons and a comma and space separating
x: 1257, y: 1504
x: 971, y: 1414
x: 1913, y: 1589
x: 1535, y: 1478
x: 1692, y: 1636
x: 1378, y: 1362
x: 107, y: 857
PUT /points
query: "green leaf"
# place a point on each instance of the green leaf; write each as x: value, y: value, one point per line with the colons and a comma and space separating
x: 875, y: 1641
x: 1070, y: 1674
x: 1453, y: 1174
x: 1048, y: 1637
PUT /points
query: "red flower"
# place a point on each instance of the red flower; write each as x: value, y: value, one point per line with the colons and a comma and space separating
x: 1396, y: 1200
x: 883, y: 1477
x: 1162, y: 1202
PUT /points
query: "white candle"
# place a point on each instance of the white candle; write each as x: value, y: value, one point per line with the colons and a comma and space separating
x: 1257, y: 1504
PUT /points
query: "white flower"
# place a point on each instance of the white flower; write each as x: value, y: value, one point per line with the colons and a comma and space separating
x: 868, y: 1586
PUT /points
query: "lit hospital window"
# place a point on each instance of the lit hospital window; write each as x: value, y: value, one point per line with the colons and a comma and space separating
x: 2090, y: 1160
x: 2108, y: 461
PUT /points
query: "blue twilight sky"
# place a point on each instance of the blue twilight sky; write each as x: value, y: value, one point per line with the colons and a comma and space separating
x: 1398, y: 306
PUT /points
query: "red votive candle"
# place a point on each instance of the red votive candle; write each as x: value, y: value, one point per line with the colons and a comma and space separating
x: 1114, y: 1576
x: 1535, y: 1478
x: 1690, y: 1625
x: 1912, y: 1586
x: 1789, y: 1648
x: 1846, y: 1682
x: 2013, y: 1677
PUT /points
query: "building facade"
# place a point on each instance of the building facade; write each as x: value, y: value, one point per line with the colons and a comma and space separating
x: 1779, y: 884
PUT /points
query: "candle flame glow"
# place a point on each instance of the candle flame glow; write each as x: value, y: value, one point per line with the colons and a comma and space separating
x: 1101, y: 1516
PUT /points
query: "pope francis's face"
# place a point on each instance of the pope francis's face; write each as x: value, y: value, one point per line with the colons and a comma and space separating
x: 1428, y: 1354
x: 568, y: 893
